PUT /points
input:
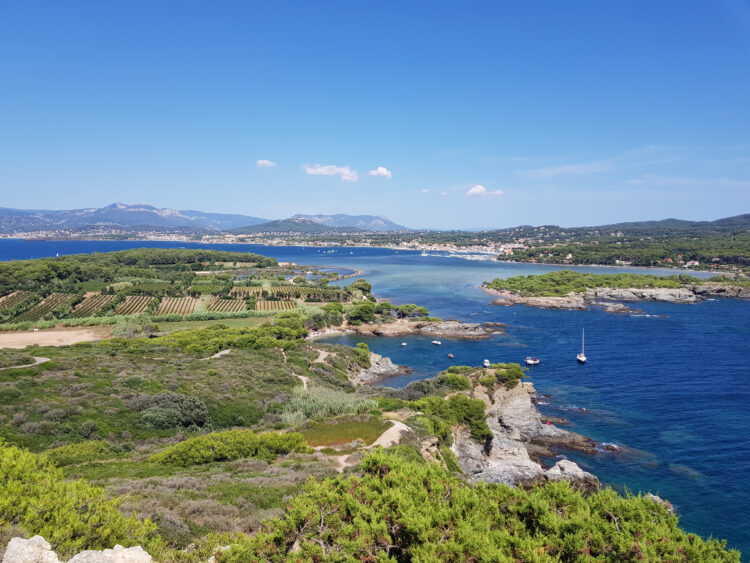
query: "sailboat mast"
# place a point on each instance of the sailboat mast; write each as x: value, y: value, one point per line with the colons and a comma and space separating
x: 582, y: 339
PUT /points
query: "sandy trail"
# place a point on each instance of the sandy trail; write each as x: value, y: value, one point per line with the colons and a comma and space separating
x: 305, y: 381
x: 322, y: 355
x: 390, y: 437
x: 54, y: 337
x: 37, y: 360
x: 218, y: 354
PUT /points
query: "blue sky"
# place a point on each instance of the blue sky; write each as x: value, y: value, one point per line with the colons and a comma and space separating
x: 471, y: 114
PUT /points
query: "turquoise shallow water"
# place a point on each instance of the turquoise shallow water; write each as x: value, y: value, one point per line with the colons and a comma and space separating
x: 671, y: 387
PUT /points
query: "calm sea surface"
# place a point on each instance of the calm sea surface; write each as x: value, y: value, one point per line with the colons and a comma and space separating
x: 670, y: 386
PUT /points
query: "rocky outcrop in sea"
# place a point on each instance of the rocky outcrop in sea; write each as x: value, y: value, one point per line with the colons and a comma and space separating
x: 521, y: 436
x: 434, y: 329
x: 380, y: 368
x: 611, y: 299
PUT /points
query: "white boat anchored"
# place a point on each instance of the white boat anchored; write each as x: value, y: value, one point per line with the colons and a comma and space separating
x: 532, y: 361
x: 486, y: 363
x: 582, y: 356
x: 403, y: 344
x: 436, y: 342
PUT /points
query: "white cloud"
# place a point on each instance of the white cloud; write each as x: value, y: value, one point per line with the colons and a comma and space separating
x: 262, y: 163
x: 424, y: 191
x: 381, y: 171
x: 443, y: 193
x: 480, y: 191
x: 346, y: 173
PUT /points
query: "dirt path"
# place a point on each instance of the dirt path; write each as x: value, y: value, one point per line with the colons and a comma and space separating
x: 305, y: 381
x: 322, y: 355
x: 37, y: 360
x: 218, y: 354
x: 390, y: 437
x: 53, y: 337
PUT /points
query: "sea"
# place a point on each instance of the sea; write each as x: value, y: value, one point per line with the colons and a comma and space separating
x: 668, y: 387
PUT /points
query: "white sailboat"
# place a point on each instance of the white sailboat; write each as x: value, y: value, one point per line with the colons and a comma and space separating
x: 581, y: 357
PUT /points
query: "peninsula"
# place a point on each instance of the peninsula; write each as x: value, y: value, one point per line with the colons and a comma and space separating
x: 567, y: 289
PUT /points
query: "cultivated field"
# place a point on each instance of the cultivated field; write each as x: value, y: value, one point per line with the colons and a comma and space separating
x: 134, y: 304
x: 179, y: 305
x: 275, y: 305
x: 90, y: 306
x: 226, y: 305
x: 244, y: 291
x: 47, y: 305
x: 208, y: 288
x: 13, y: 299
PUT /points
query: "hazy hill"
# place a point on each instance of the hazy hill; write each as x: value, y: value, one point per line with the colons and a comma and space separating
x: 293, y: 225
x: 363, y: 222
x: 119, y: 215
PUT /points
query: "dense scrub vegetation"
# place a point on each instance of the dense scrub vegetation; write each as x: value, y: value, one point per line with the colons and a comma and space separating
x: 555, y: 284
x: 399, y: 510
x: 65, y: 271
x: 71, y: 515
x: 230, y: 445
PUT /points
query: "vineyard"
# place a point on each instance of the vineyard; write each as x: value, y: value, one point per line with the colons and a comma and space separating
x: 208, y: 288
x: 134, y: 304
x: 323, y: 293
x: 90, y: 306
x: 45, y: 306
x: 178, y: 305
x: 226, y: 305
x: 275, y: 305
x: 245, y: 291
x: 14, y: 299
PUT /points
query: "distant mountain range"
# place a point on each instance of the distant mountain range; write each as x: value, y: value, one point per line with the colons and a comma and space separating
x: 142, y: 217
x: 296, y: 224
x: 146, y: 217
x: 363, y: 222
x: 119, y: 215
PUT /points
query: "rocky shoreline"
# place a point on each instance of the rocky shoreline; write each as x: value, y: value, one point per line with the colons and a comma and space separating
x: 404, y: 327
x: 612, y: 299
x: 522, y: 437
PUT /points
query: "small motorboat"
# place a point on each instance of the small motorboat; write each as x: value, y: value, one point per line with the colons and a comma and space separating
x: 532, y: 361
x: 403, y: 344
x: 486, y: 363
x: 436, y: 342
x: 451, y: 356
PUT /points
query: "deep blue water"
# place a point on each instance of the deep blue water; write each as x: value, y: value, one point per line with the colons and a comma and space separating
x: 671, y: 388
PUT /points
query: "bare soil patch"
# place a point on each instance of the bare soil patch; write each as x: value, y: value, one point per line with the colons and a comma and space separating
x: 54, y: 337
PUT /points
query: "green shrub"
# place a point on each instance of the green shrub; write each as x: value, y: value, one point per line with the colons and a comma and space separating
x: 510, y: 374
x: 170, y: 410
x: 405, y: 511
x: 9, y: 395
x: 363, y: 354
x: 389, y: 404
x: 71, y: 515
x: 459, y: 409
x: 77, y: 453
x: 487, y: 380
x: 454, y: 381
x: 230, y: 445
